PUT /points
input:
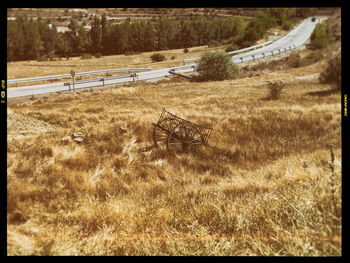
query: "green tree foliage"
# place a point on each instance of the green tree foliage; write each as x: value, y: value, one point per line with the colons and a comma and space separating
x: 216, y: 65
x: 319, y: 37
x: 305, y: 12
x: 96, y: 35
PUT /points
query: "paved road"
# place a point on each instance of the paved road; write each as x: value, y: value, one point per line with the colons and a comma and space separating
x: 295, y: 38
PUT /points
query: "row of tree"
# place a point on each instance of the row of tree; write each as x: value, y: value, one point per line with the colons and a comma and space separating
x: 29, y: 39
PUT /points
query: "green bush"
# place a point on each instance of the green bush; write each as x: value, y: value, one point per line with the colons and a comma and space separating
x: 319, y: 37
x: 332, y: 73
x: 287, y: 25
x: 232, y: 47
x: 156, y: 57
x: 216, y: 65
x: 86, y: 56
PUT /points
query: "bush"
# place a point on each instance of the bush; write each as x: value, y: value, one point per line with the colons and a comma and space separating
x: 97, y: 55
x: 156, y: 57
x: 131, y: 52
x: 294, y: 60
x: 247, y: 44
x: 86, y: 56
x: 319, y: 37
x: 332, y: 73
x: 287, y: 25
x: 232, y: 47
x: 275, y: 89
x: 313, y: 57
x: 186, y: 50
x: 39, y: 59
x: 216, y: 65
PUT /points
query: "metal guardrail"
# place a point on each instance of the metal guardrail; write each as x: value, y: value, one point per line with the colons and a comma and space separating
x: 232, y: 52
x: 249, y: 48
x: 263, y: 54
x: 13, y: 81
x: 134, y: 76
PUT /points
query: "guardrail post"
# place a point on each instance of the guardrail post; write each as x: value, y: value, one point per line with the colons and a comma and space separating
x: 241, y: 58
x: 253, y: 57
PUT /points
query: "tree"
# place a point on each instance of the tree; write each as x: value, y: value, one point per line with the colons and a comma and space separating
x: 78, y: 38
x: 33, y: 45
x: 48, y: 36
x: 15, y: 40
x: 319, y: 37
x: 96, y: 35
x: 216, y: 65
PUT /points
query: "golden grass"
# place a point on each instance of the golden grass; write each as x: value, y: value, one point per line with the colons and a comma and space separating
x: 263, y: 186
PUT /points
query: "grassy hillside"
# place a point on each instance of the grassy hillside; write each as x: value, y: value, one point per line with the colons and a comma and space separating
x: 269, y: 183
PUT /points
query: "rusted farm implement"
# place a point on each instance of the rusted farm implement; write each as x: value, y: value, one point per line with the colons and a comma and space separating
x: 179, y: 134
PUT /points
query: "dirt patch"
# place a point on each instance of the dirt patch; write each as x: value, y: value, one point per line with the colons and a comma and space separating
x: 19, y: 126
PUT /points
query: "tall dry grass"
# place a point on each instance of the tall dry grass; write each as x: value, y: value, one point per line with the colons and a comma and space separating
x: 263, y: 185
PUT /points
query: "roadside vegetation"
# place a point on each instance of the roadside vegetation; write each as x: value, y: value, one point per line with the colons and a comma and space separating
x: 216, y: 65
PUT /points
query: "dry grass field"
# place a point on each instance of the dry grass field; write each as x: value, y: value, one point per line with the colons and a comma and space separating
x: 268, y: 183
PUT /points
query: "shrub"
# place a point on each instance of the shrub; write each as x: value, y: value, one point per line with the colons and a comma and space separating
x: 216, y: 65
x: 131, y: 52
x: 287, y: 25
x: 186, y: 50
x: 313, y: 57
x: 97, y: 55
x: 232, y: 47
x: 294, y: 60
x: 332, y: 73
x: 247, y: 44
x: 213, y: 43
x: 319, y: 37
x: 86, y: 56
x: 156, y: 57
x: 39, y: 59
x: 275, y: 89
